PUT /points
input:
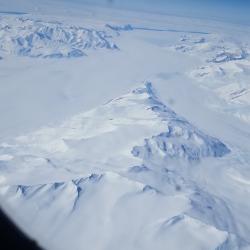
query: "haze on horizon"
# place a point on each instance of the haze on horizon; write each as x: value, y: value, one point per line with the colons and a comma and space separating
x: 236, y: 11
x: 230, y: 10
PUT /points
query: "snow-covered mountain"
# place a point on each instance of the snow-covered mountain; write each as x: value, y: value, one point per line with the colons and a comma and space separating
x: 141, y: 145
x: 152, y: 131
x: 92, y: 167
x: 25, y: 36
x: 224, y: 71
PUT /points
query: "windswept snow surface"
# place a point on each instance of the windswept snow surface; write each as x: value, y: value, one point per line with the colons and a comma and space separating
x: 142, y: 144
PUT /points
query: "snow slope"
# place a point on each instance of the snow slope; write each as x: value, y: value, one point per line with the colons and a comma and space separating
x: 90, y: 159
x: 109, y: 180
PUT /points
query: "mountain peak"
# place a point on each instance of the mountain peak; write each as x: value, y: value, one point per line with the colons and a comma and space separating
x: 147, y: 87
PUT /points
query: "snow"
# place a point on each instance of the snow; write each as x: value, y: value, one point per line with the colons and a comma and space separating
x: 35, y: 38
x: 140, y: 143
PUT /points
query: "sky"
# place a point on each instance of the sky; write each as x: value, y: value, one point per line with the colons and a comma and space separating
x: 236, y: 11
x: 231, y: 10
